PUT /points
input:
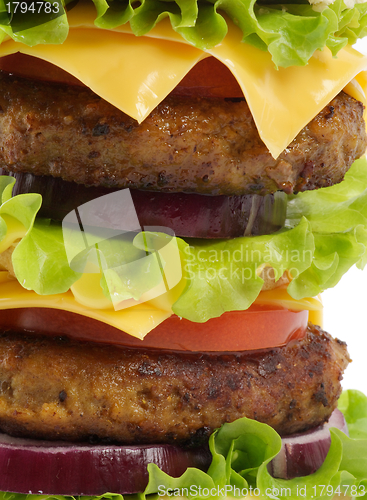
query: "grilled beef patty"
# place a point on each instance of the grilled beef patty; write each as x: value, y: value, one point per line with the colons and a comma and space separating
x: 63, y: 389
x: 194, y: 145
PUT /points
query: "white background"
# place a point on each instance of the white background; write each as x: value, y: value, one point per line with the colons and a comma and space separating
x: 345, y: 317
x: 345, y: 314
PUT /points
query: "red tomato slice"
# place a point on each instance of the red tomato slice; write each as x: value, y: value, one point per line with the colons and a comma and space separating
x: 260, y: 327
x: 209, y: 78
x: 38, y: 69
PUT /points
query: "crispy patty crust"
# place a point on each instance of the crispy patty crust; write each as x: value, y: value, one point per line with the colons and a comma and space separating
x: 208, y: 146
x: 63, y: 389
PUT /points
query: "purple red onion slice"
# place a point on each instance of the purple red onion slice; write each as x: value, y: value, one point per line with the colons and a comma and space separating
x: 59, y: 468
x: 302, y: 454
x: 186, y: 214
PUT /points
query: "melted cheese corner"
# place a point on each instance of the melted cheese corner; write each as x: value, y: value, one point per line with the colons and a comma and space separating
x: 137, y: 321
x: 280, y: 297
x: 136, y: 73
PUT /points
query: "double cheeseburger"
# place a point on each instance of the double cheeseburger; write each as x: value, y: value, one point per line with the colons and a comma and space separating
x: 180, y: 181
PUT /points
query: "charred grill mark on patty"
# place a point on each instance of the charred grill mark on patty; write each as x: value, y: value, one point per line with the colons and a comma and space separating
x: 73, y: 390
x: 208, y: 146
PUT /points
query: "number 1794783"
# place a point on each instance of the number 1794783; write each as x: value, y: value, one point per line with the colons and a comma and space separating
x: 34, y: 7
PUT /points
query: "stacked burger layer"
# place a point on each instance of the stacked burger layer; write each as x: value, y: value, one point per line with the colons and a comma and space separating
x: 180, y: 182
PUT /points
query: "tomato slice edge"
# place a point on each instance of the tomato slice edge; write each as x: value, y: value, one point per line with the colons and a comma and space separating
x: 260, y: 327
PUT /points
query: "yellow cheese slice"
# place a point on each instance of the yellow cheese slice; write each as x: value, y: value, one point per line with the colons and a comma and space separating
x: 5, y: 277
x: 136, y: 73
x: 283, y: 101
x: 357, y: 88
x: 281, y: 298
x: 137, y: 320
x: 140, y: 319
x: 129, y: 72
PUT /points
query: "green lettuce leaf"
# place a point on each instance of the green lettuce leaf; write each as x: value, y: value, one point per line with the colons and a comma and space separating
x: 353, y: 404
x: 45, y: 241
x: 290, y: 31
x: 325, y: 235
x: 223, y: 276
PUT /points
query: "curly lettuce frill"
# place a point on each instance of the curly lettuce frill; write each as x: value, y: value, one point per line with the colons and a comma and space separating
x: 290, y: 31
